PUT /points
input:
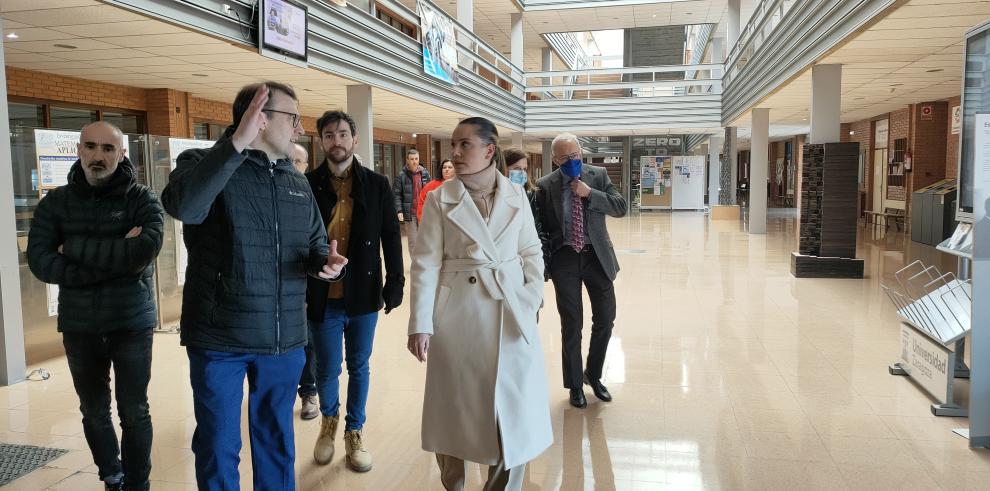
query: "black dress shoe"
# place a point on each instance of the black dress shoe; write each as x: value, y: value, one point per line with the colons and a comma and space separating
x: 600, y: 391
x: 577, y: 399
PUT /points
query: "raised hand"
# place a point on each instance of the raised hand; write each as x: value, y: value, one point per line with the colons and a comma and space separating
x: 335, y: 263
x: 253, y: 120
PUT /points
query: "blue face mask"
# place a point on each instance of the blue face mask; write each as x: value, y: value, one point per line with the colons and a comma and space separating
x: 518, y: 177
x: 571, y: 168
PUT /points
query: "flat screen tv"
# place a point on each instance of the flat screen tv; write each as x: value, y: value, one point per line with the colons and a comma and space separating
x: 283, y: 31
x: 975, y: 99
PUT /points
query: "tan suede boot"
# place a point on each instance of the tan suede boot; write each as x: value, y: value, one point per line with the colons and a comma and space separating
x: 323, y: 451
x: 358, y: 459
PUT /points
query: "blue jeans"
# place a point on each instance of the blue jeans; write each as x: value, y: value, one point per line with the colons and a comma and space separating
x: 218, y: 391
x: 90, y: 357
x: 329, y: 338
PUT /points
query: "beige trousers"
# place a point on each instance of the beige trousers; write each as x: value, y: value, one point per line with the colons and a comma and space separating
x: 454, y: 470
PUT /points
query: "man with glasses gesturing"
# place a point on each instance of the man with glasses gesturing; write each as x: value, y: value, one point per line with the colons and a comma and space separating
x: 253, y: 233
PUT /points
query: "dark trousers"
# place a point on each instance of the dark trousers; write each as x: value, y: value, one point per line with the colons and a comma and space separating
x: 569, y: 270
x: 307, y: 381
x: 90, y: 357
x: 218, y: 391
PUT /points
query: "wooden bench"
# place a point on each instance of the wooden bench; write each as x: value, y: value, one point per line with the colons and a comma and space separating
x: 887, y: 216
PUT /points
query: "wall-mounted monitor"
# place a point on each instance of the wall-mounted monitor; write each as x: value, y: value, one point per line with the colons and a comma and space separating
x: 283, y: 31
x: 975, y: 99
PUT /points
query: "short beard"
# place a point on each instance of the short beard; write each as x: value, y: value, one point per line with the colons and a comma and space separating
x: 347, y: 156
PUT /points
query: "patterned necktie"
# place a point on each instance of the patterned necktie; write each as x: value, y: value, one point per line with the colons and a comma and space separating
x: 577, y: 221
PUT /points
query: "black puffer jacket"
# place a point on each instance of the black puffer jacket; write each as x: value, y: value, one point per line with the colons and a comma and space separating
x: 253, y: 233
x: 402, y: 190
x: 374, y: 234
x: 105, y: 280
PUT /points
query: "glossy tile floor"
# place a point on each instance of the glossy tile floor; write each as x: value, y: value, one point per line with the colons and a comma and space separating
x: 727, y: 373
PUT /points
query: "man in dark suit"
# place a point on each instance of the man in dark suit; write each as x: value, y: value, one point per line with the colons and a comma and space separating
x: 575, y: 199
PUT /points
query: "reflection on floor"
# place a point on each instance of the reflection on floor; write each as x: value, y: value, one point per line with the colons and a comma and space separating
x: 727, y: 373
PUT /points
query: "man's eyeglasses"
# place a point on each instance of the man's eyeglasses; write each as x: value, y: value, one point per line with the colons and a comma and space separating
x: 295, y: 117
x: 560, y: 159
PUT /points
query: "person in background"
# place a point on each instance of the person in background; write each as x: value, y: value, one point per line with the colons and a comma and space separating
x: 307, y: 381
x: 574, y: 200
x: 446, y: 174
x: 517, y: 170
x: 300, y: 158
x: 476, y: 292
x: 406, y: 188
x: 97, y: 238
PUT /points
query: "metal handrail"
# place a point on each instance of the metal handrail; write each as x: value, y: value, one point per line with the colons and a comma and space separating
x: 625, y: 70
x: 627, y: 85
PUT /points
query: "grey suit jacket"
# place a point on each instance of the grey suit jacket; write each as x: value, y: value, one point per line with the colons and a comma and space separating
x: 604, y: 200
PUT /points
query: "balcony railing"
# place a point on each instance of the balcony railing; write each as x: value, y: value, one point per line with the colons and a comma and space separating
x: 610, y: 83
x: 766, y: 17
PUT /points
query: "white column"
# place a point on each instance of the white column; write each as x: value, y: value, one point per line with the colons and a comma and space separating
x: 465, y: 13
x: 12, y: 364
x: 465, y: 16
x: 826, y: 103
x: 517, y: 141
x: 732, y: 24
x: 758, y: 168
x: 547, y: 157
x: 714, y: 168
x: 359, y: 106
x: 733, y: 165
x: 516, y: 40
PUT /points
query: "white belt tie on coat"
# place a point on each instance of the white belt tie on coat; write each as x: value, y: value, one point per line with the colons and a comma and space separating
x: 491, y: 274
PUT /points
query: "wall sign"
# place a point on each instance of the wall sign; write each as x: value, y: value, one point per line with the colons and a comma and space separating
x: 926, y: 112
x: 881, y: 133
x: 175, y: 147
x: 956, y: 119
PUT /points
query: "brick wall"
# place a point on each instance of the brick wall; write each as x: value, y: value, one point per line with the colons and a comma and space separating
x: 951, y: 144
x: 39, y: 85
x: 158, y: 104
x: 211, y: 111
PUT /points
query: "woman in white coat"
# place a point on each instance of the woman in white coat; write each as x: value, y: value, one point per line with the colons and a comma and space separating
x: 477, y: 283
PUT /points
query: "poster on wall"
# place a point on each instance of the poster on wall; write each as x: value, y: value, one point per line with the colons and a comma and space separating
x: 56, y: 151
x: 956, y: 119
x: 175, y: 147
x: 52, y: 291
x: 689, y: 183
x: 439, y: 44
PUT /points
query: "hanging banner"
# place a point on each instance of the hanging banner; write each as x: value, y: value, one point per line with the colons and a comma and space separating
x: 175, y: 147
x: 56, y: 151
x: 439, y: 44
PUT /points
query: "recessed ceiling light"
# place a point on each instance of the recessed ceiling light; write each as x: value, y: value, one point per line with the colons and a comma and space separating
x: 199, y: 74
x: 12, y: 35
x: 65, y: 46
x: 934, y: 70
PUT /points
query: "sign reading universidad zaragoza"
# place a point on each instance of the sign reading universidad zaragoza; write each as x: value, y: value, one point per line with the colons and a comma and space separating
x: 439, y: 44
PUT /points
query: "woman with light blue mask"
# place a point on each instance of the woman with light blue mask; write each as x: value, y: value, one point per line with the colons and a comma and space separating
x: 517, y: 170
